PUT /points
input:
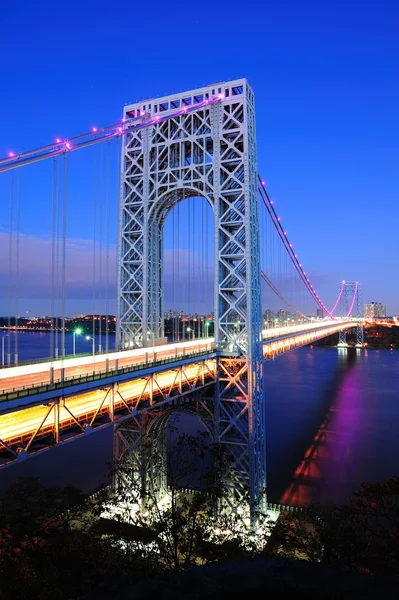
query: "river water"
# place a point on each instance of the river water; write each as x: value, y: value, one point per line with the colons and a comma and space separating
x: 332, y: 418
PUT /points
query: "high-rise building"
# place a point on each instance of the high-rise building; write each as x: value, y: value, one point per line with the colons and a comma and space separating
x: 319, y: 313
x: 374, y: 310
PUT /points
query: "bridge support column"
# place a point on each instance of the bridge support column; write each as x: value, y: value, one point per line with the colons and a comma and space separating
x: 342, y: 339
x: 140, y: 459
x: 57, y: 403
x: 360, y: 336
x: 112, y: 391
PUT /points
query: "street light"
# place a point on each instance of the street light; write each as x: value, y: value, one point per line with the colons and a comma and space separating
x: 88, y: 337
x: 207, y: 324
x: 2, y: 348
x: 77, y: 331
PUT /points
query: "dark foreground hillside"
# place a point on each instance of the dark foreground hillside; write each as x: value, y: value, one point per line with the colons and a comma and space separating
x: 252, y: 578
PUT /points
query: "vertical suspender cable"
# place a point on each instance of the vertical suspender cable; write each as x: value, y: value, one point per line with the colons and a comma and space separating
x: 100, y: 250
x: 10, y: 261
x: 107, y: 216
x: 178, y: 266
x: 94, y: 248
x: 173, y: 274
x: 18, y: 220
x: 201, y: 273
x: 53, y: 255
x: 189, y: 267
x: 118, y: 243
x: 206, y: 282
x: 63, y: 259
x: 57, y: 261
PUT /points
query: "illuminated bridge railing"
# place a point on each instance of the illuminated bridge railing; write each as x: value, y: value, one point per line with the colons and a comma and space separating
x: 60, y: 384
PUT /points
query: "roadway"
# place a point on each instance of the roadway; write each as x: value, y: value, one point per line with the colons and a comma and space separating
x: 37, y: 374
x: 43, y: 373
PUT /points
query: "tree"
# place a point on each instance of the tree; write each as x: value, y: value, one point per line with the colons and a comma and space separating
x: 196, y: 522
x: 49, y: 548
x: 362, y: 535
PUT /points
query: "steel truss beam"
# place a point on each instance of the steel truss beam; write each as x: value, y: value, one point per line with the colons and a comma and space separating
x: 63, y: 418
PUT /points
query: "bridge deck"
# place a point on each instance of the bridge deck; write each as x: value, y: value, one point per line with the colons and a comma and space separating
x: 46, y: 373
x: 57, y: 374
x: 38, y: 410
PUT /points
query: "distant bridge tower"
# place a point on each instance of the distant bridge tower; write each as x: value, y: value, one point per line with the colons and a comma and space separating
x: 208, y: 151
x: 350, y: 305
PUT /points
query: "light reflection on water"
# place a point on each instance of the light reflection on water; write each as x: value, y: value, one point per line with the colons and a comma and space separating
x: 355, y: 440
x: 332, y: 421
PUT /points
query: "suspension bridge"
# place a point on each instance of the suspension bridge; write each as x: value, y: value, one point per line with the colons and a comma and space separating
x: 196, y: 228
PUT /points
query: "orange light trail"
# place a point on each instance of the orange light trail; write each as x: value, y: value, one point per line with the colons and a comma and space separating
x: 21, y: 425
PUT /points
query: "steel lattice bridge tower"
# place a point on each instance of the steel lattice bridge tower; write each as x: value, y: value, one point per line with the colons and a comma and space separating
x: 349, y: 300
x: 209, y: 153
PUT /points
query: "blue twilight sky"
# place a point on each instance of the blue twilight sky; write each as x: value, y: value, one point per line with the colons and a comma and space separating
x: 325, y: 77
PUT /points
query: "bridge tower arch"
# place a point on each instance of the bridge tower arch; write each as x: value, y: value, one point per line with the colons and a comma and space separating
x: 209, y: 151
x: 143, y: 441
